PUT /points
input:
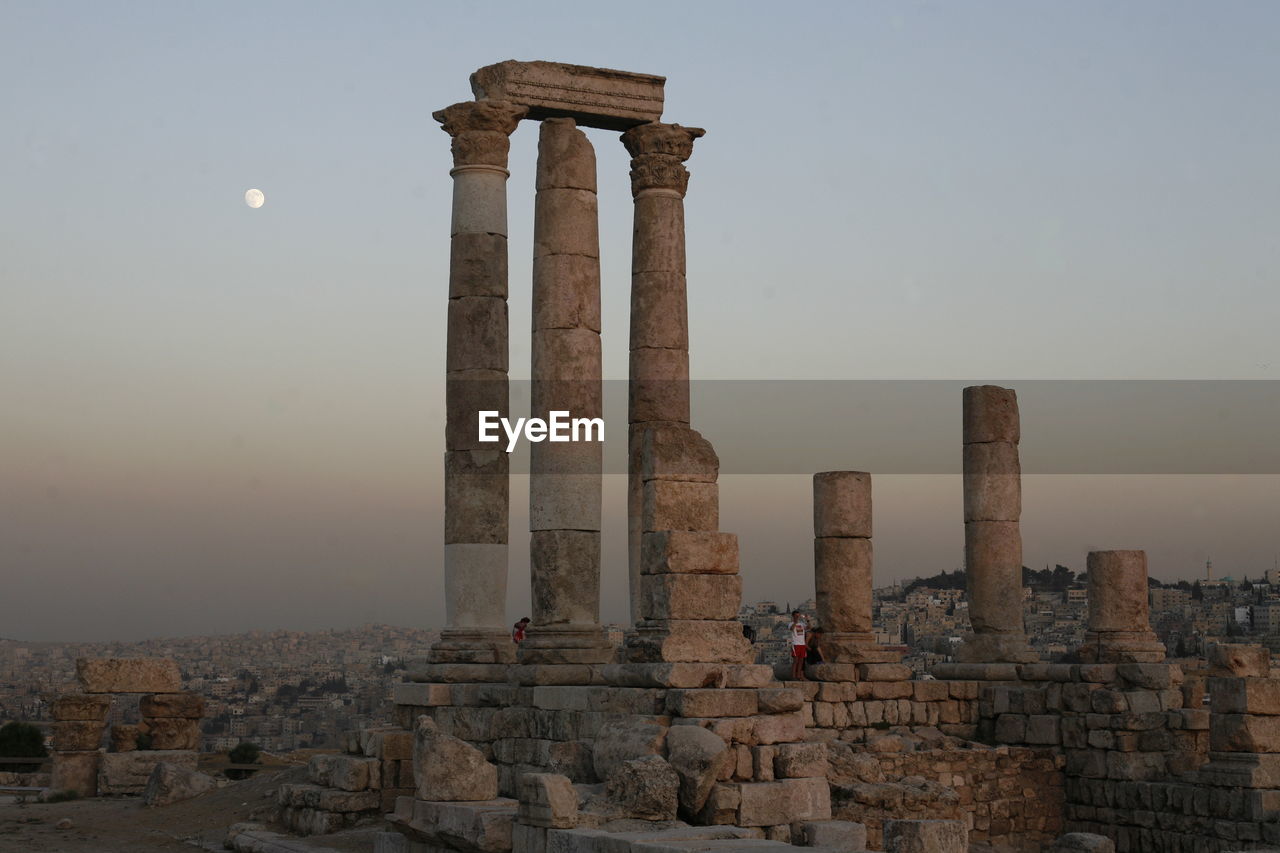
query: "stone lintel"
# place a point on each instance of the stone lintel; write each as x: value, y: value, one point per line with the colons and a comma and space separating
x: 593, y: 97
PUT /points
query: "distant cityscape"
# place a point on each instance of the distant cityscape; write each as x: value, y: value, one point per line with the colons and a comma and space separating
x: 290, y: 690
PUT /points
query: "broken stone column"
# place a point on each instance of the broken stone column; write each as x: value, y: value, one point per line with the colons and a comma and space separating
x: 842, y: 574
x: 79, y: 720
x: 659, y: 366
x: 476, y: 473
x: 992, y: 539
x: 1119, y: 630
x: 565, y: 477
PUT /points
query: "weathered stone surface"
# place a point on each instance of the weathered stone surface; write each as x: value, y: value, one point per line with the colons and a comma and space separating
x: 842, y: 504
x: 477, y: 489
x: 448, y: 769
x: 565, y: 576
x: 171, y: 732
x: 129, y: 675
x: 678, y: 453
x: 658, y: 387
x: 75, y: 771
x: 625, y: 740
x: 125, y: 738
x: 566, y: 292
x: 480, y: 196
x: 831, y: 834
x: 594, y: 97
x: 478, y: 265
x: 689, y: 552
x: 698, y: 757
x: 993, y: 561
x: 787, y: 801
x: 548, y: 800
x: 173, y: 783
x: 1082, y: 842
x: 990, y: 414
x: 689, y: 675
x: 680, y: 506
x: 566, y: 222
x: 712, y: 702
x: 1244, y: 733
x: 1238, y: 660
x: 477, y: 334
x: 84, y: 707
x: 1118, y: 591
x: 843, y: 580
x: 344, y: 772
x: 77, y: 736
x: 473, y: 571
x: 304, y: 796
x: 566, y: 159
x: 187, y: 705
x: 466, y: 394
x: 689, y: 596
x: 568, y: 498
x: 476, y: 827
x: 480, y: 131
x: 992, y: 482
x: 690, y: 641
x: 659, y: 312
x: 644, y: 788
x: 779, y: 700
x: 925, y: 836
x: 800, y: 761
x: 129, y: 772
x: 1244, y: 695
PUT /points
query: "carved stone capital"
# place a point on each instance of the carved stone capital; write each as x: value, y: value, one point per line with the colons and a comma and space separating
x: 658, y: 152
x: 481, y: 131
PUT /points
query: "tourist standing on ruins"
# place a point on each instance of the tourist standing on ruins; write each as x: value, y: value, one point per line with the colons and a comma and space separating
x: 517, y: 630
x: 799, y: 632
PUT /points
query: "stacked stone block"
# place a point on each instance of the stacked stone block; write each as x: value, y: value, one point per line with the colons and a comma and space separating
x: 77, y: 734
x: 853, y: 711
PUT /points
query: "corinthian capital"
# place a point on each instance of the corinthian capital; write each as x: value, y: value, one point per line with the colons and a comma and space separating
x: 658, y: 152
x: 481, y: 131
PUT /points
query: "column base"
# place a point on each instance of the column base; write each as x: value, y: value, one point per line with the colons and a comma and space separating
x: 996, y: 648
x: 1121, y: 647
x: 689, y: 641
x: 556, y: 674
x: 1241, y: 770
x: 473, y: 645
x: 566, y: 644
x: 853, y: 648
x: 689, y: 675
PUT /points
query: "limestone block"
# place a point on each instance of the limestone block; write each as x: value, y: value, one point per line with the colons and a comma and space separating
x: 810, y: 798
x: 800, y: 761
x: 566, y: 292
x: 448, y: 769
x: 1130, y: 766
x: 688, y: 596
x: 1082, y: 842
x: 884, y: 672
x: 659, y: 310
x: 1118, y: 591
x: 548, y: 800
x: 571, y: 356
x: 687, y: 674
x: 467, y: 393
x: 992, y: 482
x: 124, y: 738
x: 689, y: 552
x: 565, y: 222
x: 1244, y: 695
x: 423, y: 695
x: 565, y: 576
x: 344, y: 772
x: 389, y: 745
x: 658, y: 237
x: 680, y: 506
x: 171, y: 732
x: 129, y: 772
x: 128, y: 675
x: 326, y: 799
x: 594, y: 97
x: 990, y: 414
x: 1043, y: 729
x: 479, y: 202
x: 567, y: 501
x: 624, y: 740
x: 690, y: 641
x: 478, y: 265
x: 699, y: 757
x: 1238, y: 660
x: 1244, y: 733
x: 1011, y: 728
x: 993, y: 557
x: 765, y: 804
x: 475, y: 576
x: 712, y: 702
x: 173, y: 783
x: 524, y: 839
x: 831, y: 834
x: 722, y: 806
x: 658, y: 389
x: 83, y: 707
x: 644, y: 788
x: 677, y: 453
x: 75, y: 771
x: 187, y: 705
x: 565, y: 156
x: 925, y: 836
x: 477, y: 494
x: 779, y: 700
x: 1152, y: 676
x: 77, y: 736
x: 483, y: 827
x: 842, y: 578
x: 842, y: 504
x: 777, y: 728
x: 477, y: 334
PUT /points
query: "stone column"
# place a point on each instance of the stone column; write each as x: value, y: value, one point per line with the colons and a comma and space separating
x: 565, y: 477
x: 1119, y: 629
x: 659, y: 368
x: 992, y: 539
x: 476, y: 473
x: 842, y: 574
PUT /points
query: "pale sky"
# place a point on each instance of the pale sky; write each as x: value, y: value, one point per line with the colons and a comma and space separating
x: 218, y: 418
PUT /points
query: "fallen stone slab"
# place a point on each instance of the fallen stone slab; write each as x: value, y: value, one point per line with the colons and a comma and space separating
x: 480, y: 827
x: 173, y: 783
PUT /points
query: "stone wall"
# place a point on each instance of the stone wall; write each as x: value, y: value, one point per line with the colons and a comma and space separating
x: 848, y: 710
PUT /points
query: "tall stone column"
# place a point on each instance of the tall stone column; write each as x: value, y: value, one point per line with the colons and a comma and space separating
x: 1119, y: 629
x: 565, y: 477
x: 476, y: 474
x: 842, y: 574
x: 659, y: 368
x: 992, y: 539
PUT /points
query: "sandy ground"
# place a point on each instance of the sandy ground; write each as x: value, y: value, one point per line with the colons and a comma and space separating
x: 124, y: 825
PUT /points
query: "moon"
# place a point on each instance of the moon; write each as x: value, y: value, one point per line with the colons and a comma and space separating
x: 254, y: 198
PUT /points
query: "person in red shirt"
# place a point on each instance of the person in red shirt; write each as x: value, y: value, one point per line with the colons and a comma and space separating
x: 517, y: 630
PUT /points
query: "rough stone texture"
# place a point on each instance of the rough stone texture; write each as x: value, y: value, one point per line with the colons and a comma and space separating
x: 680, y: 506
x: 477, y: 334
x: 842, y: 576
x: 124, y: 738
x: 925, y: 836
x: 1119, y: 630
x: 84, y: 707
x: 713, y: 702
x: 466, y: 394
x: 990, y: 414
x: 1239, y: 660
x: 472, y: 827
x: 548, y: 800
x: 690, y: 641
x: 992, y: 482
x: 171, y: 732
x: 831, y: 834
x: 842, y: 504
x: 623, y: 741
x: 689, y: 552
x: 173, y: 783
x: 477, y: 489
x: 77, y: 736
x: 679, y: 454
x: 698, y: 757
x: 129, y: 772
x: 690, y: 596
x: 1244, y: 733
x: 565, y: 566
x: 595, y: 97
x: 1244, y: 695
x: 645, y: 788
x: 448, y: 769
x: 800, y: 761
x: 75, y: 771
x: 1082, y: 842
x: 187, y: 705
x: 128, y: 675
x: 993, y: 560
x: 344, y: 772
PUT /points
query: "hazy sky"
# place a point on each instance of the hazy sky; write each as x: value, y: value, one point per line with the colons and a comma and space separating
x: 216, y: 418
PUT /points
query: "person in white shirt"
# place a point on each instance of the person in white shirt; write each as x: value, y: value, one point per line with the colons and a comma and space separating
x: 799, y: 628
